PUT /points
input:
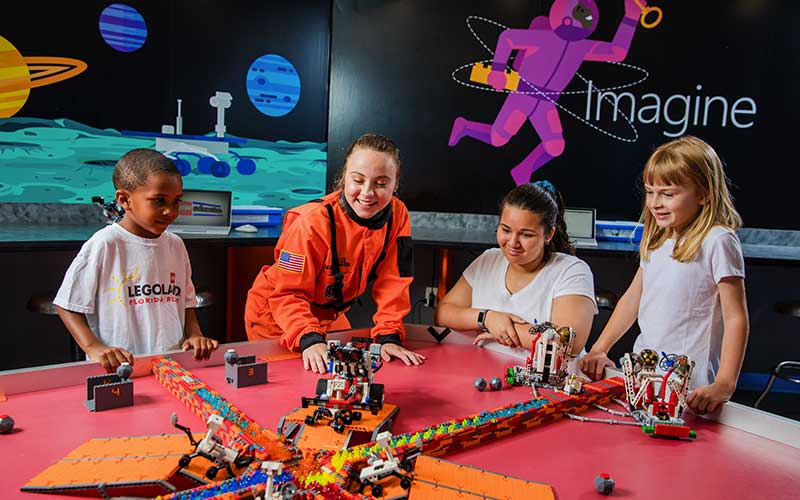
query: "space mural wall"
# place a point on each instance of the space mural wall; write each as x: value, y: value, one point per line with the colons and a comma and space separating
x: 235, y: 92
x: 592, y: 87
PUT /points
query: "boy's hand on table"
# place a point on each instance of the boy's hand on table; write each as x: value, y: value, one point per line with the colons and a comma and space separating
x: 706, y: 399
x: 202, y: 346
x: 389, y: 351
x: 594, y: 363
x: 109, y: 357
x: 314, y: 358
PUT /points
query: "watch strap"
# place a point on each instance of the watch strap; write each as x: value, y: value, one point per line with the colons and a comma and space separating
x: 482, y: 318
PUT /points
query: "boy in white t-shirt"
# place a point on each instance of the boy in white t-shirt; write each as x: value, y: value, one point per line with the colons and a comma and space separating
x: 129, y: 290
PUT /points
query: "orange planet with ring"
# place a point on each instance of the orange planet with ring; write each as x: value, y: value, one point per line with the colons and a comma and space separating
x: 19, y: 74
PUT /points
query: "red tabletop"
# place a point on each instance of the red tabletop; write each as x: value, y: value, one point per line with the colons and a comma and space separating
x: 722, y: 462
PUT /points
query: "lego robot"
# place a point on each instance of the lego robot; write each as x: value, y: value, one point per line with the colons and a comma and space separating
x: 547, y: 364
x: 351, y: 389
x: 111, y: 210
x: 657, y: 399
x: 212, y: 448
x: 380, y: 468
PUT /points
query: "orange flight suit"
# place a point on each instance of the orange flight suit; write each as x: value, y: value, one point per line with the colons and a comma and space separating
x: 295, y: 296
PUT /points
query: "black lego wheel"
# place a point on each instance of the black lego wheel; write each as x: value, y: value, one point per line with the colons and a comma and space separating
x: 184, y: 460
x: 211, y: 473
x: 405, y: 482
x: 377, y: 490
x: 322, y: 387
x: 243, y: 460
x: 288, y: 491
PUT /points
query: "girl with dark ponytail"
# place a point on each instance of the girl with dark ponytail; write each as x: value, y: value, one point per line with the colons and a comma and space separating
x: 533, y: 277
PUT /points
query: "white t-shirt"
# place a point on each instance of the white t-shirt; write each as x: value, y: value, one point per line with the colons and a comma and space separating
x: 680, y: 311
x: 134, y: 291
x: 562, y: 275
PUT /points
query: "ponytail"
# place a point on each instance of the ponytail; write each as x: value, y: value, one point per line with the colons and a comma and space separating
x: 560, y: 241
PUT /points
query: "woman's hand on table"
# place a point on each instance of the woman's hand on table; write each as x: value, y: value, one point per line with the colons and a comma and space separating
x: 389, y: 351
x: 314, y: 358
x: 500, y: 328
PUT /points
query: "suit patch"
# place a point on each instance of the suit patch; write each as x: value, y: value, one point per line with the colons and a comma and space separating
x: 291, y: 262
x: 405, y: 256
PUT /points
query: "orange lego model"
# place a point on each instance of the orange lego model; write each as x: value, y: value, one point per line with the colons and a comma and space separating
x: 349, y: 401
x: 324, y: 437
x: 143, y: 466
x: 444, y: 480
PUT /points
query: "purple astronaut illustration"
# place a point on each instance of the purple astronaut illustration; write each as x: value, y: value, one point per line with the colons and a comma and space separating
x: 549, y: 54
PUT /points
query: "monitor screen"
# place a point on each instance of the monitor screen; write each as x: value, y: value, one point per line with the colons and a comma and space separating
x: 580, y: 222
x: 204, y: 208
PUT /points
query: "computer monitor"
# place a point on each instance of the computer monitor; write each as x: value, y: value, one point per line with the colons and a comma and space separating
x: 581, y: 226
x: 203, y: 212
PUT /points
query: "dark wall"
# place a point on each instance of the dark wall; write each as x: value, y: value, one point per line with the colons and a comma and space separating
x: 32, y: 339
x: 392, y: 70
x: 192, y: 50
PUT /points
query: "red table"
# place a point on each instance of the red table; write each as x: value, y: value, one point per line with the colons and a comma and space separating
x: 723, y: 462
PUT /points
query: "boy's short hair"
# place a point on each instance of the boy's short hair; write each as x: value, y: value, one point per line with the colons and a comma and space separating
x: 137, y: 165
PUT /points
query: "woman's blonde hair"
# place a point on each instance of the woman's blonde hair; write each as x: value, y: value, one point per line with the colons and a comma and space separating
x: 688, y: 161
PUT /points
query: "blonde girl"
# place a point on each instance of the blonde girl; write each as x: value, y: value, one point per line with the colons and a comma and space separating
x: 688, y: 293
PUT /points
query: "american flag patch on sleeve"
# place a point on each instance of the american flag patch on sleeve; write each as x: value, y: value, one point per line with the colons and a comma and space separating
x: 291, y: 261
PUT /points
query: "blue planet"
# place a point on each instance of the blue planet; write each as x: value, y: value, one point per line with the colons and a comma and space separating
x: 122, y: 27
x: 273, y: 85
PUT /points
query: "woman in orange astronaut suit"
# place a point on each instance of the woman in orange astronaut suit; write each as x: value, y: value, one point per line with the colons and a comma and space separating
x: 330, y: 251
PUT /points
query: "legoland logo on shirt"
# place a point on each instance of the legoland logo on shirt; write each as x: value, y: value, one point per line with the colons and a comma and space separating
x: 128, y: 292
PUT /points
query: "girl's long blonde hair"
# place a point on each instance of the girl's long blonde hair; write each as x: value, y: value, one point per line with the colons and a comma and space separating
x: 688, y: 161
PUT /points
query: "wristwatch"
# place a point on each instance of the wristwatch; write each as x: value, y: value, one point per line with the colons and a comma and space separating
x: 482, y: 318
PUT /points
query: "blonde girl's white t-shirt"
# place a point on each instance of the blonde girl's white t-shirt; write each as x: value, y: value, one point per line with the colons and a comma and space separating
x: 562, y: 275
x: 134, y: 291
x: 680, y: 310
